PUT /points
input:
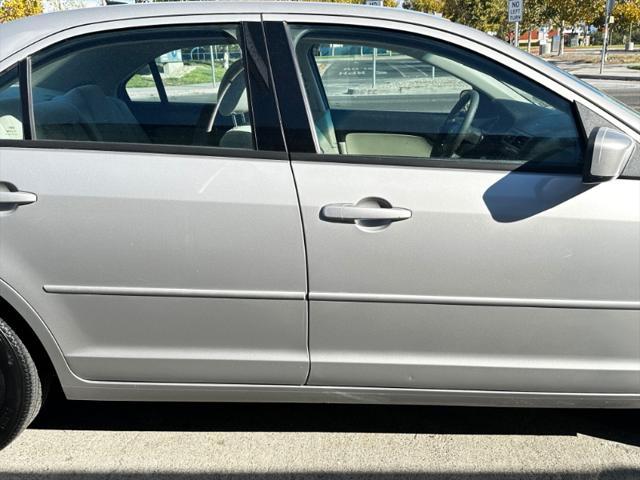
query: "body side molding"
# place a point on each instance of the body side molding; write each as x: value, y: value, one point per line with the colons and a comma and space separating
x: 478, y: 301
x: 172, y: 292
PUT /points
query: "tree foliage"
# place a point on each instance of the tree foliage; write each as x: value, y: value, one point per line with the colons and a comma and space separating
x: 425, y: 6
x: 14, y: 9
x: 535, y: 14
x: 572, y: 12
x: 627, y: 12
x: 487, y: 15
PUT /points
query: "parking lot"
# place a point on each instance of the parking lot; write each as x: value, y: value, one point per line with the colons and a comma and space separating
x: 95, y: 441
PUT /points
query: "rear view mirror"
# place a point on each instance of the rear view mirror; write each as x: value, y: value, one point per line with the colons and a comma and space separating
x: 608, y: 152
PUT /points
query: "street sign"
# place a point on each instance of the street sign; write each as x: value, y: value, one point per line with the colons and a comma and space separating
x: 515, y: 10
x: 374, y: 3
x: 610, y: 5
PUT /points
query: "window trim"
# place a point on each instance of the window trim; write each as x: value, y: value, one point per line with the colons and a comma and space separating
x: 472, y: 164
x: 268, y: 130
x: 30, y: 141
x: 152, y: 148
x: 439, y: 163
x: 26, y: 99
x: 295, y: 114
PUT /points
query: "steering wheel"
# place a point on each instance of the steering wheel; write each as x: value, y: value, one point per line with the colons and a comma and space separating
x: 458, y: 123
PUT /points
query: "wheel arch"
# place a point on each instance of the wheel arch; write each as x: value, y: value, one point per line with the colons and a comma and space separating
x: 36, y: 336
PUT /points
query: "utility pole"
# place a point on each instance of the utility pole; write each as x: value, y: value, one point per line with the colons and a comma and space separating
x: 213, y: 66
x: 607, y: 15
x: 375, y: 65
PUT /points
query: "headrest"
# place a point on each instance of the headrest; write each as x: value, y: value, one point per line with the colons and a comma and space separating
x: 232, y: 93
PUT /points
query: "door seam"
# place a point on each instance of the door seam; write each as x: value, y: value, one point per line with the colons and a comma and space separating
x: 295, y: 186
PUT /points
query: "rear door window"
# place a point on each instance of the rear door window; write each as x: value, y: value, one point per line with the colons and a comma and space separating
x: 94, y: 83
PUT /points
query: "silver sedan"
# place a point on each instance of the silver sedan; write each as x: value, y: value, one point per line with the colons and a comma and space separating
x: 309, y: 203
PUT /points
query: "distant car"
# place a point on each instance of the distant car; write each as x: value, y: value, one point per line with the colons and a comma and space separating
x: 330, y: 204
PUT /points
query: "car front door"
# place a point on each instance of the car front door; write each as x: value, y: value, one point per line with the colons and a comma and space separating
x: 463, y: 252
x: 151, y: 260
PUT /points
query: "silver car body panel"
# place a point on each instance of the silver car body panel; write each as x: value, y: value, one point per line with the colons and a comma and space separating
x: 174, y: 392
x: 197, y: 276
x: 587, y: 327
x: 494, y: 282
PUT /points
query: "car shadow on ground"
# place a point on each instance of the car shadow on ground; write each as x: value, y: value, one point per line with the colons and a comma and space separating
x: 616, y: 425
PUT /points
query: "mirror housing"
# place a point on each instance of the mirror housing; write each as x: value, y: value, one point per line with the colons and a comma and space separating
x: 608, y: 152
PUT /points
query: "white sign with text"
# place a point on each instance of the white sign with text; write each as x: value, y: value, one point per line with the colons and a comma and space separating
x: 515, y: 10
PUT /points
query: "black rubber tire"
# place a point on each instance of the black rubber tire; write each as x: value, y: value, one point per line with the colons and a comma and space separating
x: 20, y: 386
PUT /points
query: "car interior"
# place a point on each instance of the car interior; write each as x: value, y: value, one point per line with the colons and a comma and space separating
x: 80, y: 95
x: 498, y: 116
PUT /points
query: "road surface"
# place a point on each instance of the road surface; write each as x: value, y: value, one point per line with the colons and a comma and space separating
x: 356, y: 76
x: 628, y: 92
x: 113, y: 441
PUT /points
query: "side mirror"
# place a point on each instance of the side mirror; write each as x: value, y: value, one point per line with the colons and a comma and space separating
x: 608, y: 152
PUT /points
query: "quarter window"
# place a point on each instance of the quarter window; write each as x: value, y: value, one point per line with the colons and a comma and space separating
x: 382, y: 93
x: 178, y: 86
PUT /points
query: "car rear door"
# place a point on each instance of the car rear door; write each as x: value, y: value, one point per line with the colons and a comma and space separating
x: 492, y: 269
x: 153, y: 262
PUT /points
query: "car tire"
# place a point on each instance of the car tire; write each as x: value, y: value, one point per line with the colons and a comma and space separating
x: 20, y: 386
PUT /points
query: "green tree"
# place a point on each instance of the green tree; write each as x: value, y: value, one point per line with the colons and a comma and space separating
x: 627, y: 14
x: 487, y: 15
x: 14, y: 9
x: 425, y: 6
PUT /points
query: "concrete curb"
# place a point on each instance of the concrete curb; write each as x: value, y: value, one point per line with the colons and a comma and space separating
x: 604, y: 76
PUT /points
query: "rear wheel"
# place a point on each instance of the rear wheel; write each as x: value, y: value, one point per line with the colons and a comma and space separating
x: 20, y: 386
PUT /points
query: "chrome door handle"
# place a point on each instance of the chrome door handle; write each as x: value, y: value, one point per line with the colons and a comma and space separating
x: 350, y: 213
x: 17, y: 198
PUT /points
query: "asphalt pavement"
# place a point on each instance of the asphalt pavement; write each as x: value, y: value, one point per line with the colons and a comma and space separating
x: 347, y: 78
x: 626, y: 91
x: 116, y: 441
